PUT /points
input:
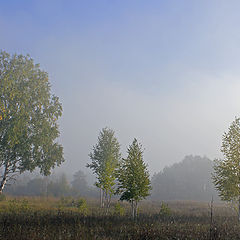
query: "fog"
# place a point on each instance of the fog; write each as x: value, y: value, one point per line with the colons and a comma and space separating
x: 164, y: 73
x: 190, y: 121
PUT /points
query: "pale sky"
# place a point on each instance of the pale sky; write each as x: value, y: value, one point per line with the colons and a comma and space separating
x: 166, y: 72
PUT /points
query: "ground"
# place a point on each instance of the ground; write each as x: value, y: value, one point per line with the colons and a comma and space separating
x: 67, y: 218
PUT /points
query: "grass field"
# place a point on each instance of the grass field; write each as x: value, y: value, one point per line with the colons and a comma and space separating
x: 51, y: 218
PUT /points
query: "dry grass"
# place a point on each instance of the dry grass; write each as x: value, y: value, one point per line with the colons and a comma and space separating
x: 51, y: 218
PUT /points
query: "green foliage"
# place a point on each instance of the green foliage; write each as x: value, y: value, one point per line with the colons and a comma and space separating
x: 105, y: 157
x: 226, y: 175
x: 119, y: 210
x: 28, y: 118
x: 133, y: 177
x: 165, y: 211
x: 82, y: 206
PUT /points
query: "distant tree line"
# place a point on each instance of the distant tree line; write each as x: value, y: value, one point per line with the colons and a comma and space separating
x: 190, y: 179
x: 55, y: 186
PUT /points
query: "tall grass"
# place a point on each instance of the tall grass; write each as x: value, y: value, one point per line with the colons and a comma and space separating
x: 51, y: 218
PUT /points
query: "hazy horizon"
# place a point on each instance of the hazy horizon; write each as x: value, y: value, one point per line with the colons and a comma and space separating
x: 164, y: 72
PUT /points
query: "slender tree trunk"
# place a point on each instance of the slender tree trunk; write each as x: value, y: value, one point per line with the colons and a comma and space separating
x: 3, y: 183
x: 132, y: 205
x: 101, y: 198
x: 211, y: 220
x: 239, y: 209
x: 4, y: 179
x: 135, y: 210
x: 108, y: 201
x: 105, y: 203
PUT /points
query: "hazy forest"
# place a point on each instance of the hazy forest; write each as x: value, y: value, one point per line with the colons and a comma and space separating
x: 190, y: 179
x: 119, y: 120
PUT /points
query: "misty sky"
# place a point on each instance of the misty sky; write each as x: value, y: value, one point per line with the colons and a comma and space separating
x: 166, y: 72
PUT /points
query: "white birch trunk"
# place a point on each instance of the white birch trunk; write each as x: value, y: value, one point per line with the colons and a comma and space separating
x: 4, y: 179
x: 101, y: 198
x: 239, y: 209
x: 132, y: 206
x: 136, y: 207
x: 3, y: 184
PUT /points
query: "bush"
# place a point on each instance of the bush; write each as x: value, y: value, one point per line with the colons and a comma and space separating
x: 119, y: 210
x: 81, y: 204
x: 165, y: 211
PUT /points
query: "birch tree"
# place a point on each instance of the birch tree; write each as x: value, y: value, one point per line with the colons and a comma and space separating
x: 133, y: 177
x: 105, y: 157
x: 28, y: 119
x: 226, y: 176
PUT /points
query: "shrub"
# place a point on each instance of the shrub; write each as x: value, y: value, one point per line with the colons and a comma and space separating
x: 165, y: 211
x: 81, y: 204
x: 119, y: 210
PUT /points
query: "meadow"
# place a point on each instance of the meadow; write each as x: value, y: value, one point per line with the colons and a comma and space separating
x: 39, y: 218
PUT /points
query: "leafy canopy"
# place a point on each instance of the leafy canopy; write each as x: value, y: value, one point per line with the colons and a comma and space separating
x: 105, y: 157
x: 226, y: 175
x: 28, y: 117
x: 133, y: 176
